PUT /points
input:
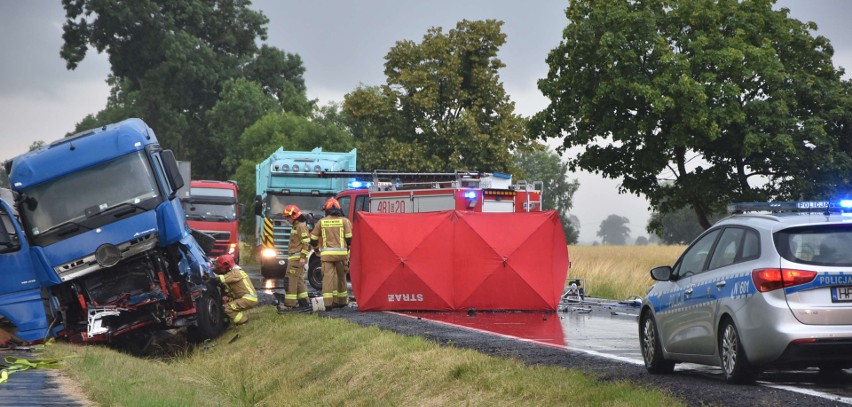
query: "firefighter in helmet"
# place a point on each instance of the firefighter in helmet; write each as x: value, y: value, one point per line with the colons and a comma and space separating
x: 239, y: 289
x: 332, y: 236
x: 298, y: 249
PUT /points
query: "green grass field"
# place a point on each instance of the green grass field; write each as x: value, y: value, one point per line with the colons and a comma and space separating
x: 306, y: 360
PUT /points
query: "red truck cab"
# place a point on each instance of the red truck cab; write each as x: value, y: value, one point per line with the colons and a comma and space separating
x: 212, y: 208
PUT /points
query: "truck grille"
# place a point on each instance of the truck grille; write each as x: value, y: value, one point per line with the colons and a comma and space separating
x: 88, y: 264
x: 281, y: 238
x: 218, y: 235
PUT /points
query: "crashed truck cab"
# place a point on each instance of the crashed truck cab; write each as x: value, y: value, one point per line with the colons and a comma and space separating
x: 103, y: 249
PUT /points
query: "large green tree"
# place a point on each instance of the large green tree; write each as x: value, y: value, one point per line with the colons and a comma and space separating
x: 614, y: 230
x: 443, y: 107
x: 677, y: 227
x: 697, y: 103
x: 170, y: 60
x: 558, y: 192
x: 281, y: 130
x: 243, y: 103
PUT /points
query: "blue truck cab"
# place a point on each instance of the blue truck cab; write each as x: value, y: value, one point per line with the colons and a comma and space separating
x: 94, y: 244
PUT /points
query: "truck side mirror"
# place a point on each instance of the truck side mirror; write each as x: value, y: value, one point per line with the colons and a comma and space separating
x: 242, y: 211
x: 258, y: 205
x: 172, y: 170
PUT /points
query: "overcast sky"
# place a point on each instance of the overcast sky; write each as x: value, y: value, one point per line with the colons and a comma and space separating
x: 342, y: 44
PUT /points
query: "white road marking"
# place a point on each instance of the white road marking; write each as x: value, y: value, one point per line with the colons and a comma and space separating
x: 639, y: 362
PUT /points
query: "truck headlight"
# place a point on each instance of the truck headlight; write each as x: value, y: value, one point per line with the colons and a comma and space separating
x: 233, y: 248
x: 267, y: 253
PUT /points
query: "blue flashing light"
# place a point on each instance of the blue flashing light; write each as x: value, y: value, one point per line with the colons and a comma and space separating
x: 359, y: 184
x: 470, y: 194
x: 838, y: 206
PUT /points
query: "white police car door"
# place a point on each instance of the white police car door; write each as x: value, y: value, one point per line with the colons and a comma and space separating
x: 683, y: 324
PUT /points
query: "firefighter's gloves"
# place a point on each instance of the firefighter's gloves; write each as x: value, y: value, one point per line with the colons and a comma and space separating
x: 302, y: 262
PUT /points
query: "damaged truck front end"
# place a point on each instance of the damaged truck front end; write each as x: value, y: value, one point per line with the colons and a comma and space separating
x: 108, y: 240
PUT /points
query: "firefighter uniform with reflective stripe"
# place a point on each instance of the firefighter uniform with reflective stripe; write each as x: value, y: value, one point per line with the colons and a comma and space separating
x: 241, y: 294
x: 330, y: 235
x: 298, y: 253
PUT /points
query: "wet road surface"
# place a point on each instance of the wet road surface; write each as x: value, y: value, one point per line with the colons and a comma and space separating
x: 609, y: 329
x: 36, y: 387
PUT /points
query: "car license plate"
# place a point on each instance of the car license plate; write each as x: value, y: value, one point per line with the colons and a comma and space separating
x: 841, y: 294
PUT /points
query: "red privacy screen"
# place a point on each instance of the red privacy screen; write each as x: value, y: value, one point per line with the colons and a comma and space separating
x: 457, y: 260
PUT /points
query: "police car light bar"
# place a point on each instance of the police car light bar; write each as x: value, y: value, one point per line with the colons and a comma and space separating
x: 795, y: 206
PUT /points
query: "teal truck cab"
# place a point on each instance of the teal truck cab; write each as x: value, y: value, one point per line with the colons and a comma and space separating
x: 294, y: 177
x: 94, y: 244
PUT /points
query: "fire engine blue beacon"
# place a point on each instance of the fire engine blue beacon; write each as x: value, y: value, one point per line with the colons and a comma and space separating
x: 359, y: 184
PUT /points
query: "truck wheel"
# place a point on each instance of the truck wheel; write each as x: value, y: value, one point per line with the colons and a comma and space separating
x: 210, y: 316
x: 137, y: 343
x: 315, y: 273
x: 271, y: 269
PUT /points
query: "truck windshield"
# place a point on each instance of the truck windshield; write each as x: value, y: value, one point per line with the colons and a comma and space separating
x: 307, y: 203
x: 121, y: 186
x: 215, y: 212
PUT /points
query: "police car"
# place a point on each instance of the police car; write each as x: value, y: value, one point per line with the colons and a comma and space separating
x: 770, y: 290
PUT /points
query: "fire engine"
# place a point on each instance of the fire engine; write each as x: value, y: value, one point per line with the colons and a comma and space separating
x: 396, y: 192
x: 406, y: 192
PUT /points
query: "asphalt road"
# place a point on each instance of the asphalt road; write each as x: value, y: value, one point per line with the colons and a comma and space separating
x: 694, y: 385
x: 37, y: 387
x: 600, y: 337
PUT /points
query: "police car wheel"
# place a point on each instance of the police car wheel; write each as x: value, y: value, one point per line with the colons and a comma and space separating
x: 734, y: 363
x: 652, y: 350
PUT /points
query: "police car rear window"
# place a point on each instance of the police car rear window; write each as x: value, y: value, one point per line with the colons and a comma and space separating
x: 824, y: 245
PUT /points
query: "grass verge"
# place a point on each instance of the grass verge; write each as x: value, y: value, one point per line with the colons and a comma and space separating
x: 303, y: 359
x: 618, y: 272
